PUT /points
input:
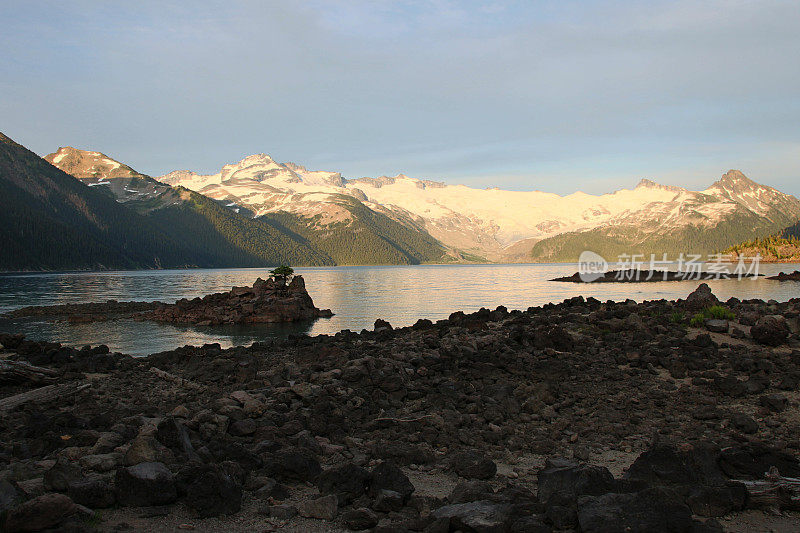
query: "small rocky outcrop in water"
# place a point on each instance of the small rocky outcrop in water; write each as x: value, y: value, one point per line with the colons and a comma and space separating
x: 266, y: 301
x: 787, y: 276
x: 633, y: 275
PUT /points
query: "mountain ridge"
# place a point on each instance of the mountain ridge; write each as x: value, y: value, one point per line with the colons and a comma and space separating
x: 507, y: 225
x: 382, y: 240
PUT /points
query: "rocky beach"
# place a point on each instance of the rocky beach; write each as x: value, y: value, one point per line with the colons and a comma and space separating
x: 580, y: 416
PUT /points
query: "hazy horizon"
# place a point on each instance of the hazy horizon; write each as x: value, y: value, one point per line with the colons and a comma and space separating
x: 559, y: 97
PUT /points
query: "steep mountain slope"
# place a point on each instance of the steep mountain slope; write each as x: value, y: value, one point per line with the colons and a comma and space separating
x: 50, y: 220
x: 513, y: 225
x: 345, y: 232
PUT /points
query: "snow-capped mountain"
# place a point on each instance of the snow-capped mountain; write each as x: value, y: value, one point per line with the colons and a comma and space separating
x: 317, y: 228
x: 106, y: 174
x: 493, y: 223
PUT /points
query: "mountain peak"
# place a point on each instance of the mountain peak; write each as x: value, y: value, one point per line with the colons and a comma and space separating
x: 734, y: 181
x: 647, y: 184
x: 256, y: 159
x: 91, y: 165
x: 734, y: 177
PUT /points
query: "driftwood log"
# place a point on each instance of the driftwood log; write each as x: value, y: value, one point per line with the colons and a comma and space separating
x: 774, y: 491
x: 42, y: 394
x: 14, y: 372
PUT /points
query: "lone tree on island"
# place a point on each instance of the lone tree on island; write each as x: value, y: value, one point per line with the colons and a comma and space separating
x: 282, y: 275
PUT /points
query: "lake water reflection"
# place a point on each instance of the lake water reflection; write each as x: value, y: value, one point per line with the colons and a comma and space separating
x: 358, y: 295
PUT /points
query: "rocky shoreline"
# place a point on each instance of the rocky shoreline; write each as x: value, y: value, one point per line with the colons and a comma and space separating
x: 586, y: 415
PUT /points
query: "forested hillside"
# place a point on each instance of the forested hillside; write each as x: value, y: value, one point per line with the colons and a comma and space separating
x: 615, y: 241
x: 52, y: 221
x: 368, y: 238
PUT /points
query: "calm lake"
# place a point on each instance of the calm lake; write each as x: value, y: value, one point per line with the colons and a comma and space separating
x: 358, y: 295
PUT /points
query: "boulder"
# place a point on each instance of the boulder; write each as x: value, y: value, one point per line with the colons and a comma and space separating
x: 744, y: 423
x: 59, y: 476
x: 386, y: 476
x: 172, y: 434
x: 387, y: 501
x: 348, y: 482
x: 145, y: 484
x: 484, y: 516
x: 753, y: 460
x: 561, y: 475
x: 473, y: 465
x: 470, y: 491
x: 717, y: 326
x: 141, y: 450
x: 770, y: 330
x: 10, y: 495
x: 701, y: 298
x: 243, y: 428
x: 209, y: 490
x: 653, y: 509
x: 360, y: 519
x: 774, y: 402
x: 43, y: 512
x: 93, y: 492
x: 530, y: 524
x: 297, y: 464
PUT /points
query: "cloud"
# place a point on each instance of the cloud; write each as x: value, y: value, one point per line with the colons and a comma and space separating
x: 499, y: 94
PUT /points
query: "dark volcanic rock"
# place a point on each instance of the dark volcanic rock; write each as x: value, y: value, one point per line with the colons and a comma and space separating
x: 701, y: 298
x: 10, y: 495
x: 265, y: 301
x: 386, y: 476
x: 753, y: 460
x: 564, y: 476
x: 483, y: 516
x: 94, y: 492
x: 172, y: 434
x: 641, y: 512
x: 360, y: 519
x: 44, y: 512
x: 61, y: 474
x: 348, y: 482
x: 770, y: 330
x: 210, y: 490
x: 145, y: 484
x: 787, y: 276
x: 296, y: 464
x: 473, y: 464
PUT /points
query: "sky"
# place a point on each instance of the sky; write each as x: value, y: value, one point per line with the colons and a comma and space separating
x: 556, y: 96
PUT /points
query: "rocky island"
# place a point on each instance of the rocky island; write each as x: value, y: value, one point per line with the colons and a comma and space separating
x: 586, y: 415
x: 267, y: 301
